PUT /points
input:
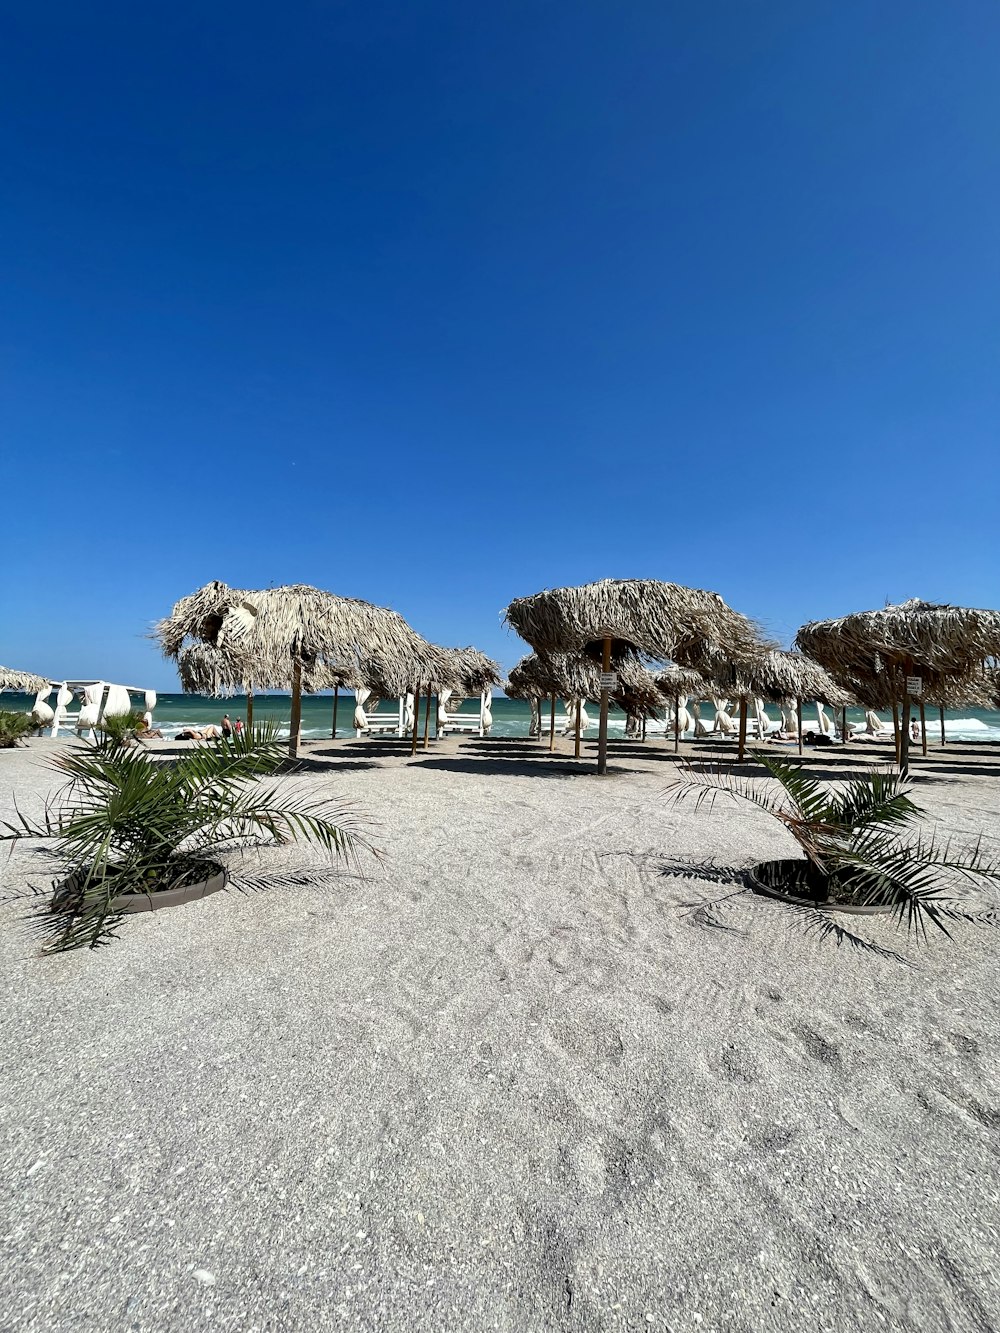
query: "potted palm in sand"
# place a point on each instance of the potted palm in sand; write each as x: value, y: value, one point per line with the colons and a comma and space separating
x: 135, y: 831
x: 862, y: 849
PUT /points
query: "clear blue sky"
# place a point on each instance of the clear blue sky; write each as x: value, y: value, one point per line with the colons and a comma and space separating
x: 439, y: 304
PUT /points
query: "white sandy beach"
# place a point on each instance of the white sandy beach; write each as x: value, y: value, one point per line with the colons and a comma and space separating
x: 523, y: 1076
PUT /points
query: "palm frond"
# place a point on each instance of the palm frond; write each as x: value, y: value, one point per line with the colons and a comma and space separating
x: 810, y: 797
x: 876, y: 797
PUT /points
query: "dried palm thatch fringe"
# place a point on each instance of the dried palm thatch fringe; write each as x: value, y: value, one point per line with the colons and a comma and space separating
x: 236, y: 639
x: 775, y: 675
x: 204, y: 669
x: 871, y: 652
x: 464, y: 670
x: 21, y: 682
x: 472, y: 672
x: 677, y: 681
x: 660, y: 621
x: 574, y: 676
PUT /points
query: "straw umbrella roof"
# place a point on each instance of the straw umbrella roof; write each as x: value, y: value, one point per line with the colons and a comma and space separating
x: 473, y: 672
x: 981, y: 689
x: 870, y: 651
x: 675, y: 681
x: 260, y: 633
x: 21, y: 682
x: 205, y: 669
x: 660, y: 621
x: 462, y: 670
x: 575, y: 676
x: 775, y: 675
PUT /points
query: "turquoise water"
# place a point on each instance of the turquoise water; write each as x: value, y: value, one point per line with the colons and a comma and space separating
x: 510, y: 716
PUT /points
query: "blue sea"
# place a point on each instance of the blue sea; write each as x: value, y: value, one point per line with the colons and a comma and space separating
x: 174, y: 712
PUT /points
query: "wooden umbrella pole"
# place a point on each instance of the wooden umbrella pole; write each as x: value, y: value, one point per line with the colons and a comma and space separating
x: 895, y: 728
x: 904, y: 739
x: 552, y: 723
x: 296, y: 722
x: 923, y: 728
x: 677, y: 723
x: 798, y: 721
x: 250, y: 710
x: 743, y: 729
x: 941, y: 711
x: 416, y: 717
x: 579, y: 711
x: 336, y: 694
x: 843, y: 725
x: 602, y: 738
x: 427, y: 716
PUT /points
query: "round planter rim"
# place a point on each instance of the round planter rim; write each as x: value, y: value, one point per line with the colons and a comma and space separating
x: 769, y: 891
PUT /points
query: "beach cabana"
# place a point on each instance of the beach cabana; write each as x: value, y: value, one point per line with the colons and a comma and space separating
x: 616, y: 619
x: 288, y: 632
x: 910, y: 651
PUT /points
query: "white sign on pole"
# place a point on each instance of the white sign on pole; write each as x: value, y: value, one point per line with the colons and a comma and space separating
x: 609, y: 681
x: 914, y: 685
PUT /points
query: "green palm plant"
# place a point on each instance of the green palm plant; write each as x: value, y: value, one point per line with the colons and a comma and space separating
x: 856, y: 842
x: 14, y: 727
x: 120, y: 728
x: 130, y: 822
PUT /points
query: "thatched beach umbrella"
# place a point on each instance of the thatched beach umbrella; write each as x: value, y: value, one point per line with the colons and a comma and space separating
x: 21, y: 682
x: 885, y: 653
x: 979, y: 690
x: 470, y: 673
x: 574, y: 676
x: 541, y: 676
x: 288, y: 631
x: 617, y: 618
x: 775, y: 675
x: 433, y: 670
x: 676, y: 683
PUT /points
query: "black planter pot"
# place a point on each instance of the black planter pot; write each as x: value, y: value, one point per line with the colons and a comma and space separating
x: 796, y: 881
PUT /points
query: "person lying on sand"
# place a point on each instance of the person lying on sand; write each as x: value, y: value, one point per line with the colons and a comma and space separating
x: 209, y: 733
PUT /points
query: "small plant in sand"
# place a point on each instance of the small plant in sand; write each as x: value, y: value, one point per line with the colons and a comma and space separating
x: 859, y: 843
x: 120, y: 728
x: 14, y: 727
x: 128, y: 823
